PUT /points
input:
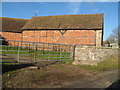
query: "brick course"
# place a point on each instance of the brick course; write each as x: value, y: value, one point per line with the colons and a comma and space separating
x: 11, y: 36
x: 83, y: 37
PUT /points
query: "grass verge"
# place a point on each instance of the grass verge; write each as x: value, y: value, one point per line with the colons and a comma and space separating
x: 105, y: 65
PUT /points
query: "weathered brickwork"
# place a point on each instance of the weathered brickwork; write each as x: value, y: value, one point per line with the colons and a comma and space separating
x: 11, y: 36
x: 82, y: 37
x: 98, y: 38
x: 93, y: 55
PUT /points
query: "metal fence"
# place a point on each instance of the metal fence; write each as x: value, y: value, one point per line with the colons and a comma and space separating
x: 26, y: 51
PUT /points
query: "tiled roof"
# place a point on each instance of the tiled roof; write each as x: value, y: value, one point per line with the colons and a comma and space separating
x: 87, y: 21
x: 12, y: 24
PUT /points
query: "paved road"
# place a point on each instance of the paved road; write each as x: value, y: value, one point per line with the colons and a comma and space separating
x: 103, y: 80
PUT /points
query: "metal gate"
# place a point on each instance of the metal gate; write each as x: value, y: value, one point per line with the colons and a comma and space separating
x: 49, y: 51
x: 26, y: 51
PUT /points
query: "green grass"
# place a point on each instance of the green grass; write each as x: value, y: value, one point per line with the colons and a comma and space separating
x: 12, y: 48
x: 106, y: 65
x: 41, y: 54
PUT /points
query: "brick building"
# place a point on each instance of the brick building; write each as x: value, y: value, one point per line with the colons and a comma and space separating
x: 11, y: 29
x: 65, y: 29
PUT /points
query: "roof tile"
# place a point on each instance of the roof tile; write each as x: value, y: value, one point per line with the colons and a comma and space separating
x: 87, y: 21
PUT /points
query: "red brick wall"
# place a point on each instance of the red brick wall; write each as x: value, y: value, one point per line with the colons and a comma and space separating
x: 11, y: 36
x: 54, y: 36
x: 83, y: 37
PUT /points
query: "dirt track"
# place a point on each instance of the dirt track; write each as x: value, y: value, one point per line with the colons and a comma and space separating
x: 103, y: 80
x: 51, y: 76
x: 61, y: 75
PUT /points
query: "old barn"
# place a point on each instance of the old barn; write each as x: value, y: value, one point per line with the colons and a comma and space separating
x: 11, y: 29
x: 86, y: 30
x: 51, y: 37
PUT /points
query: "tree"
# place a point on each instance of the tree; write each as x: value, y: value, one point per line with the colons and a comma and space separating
x: 115, y: 36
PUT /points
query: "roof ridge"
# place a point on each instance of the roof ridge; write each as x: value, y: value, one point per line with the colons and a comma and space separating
x: 14, y: 18
x: 68, y: 15
x: 85, y: 21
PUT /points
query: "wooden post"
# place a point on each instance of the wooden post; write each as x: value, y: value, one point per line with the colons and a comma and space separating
x: 60, y: 52
x: 18, y: 51
x: 29, y: 46
x: 22, y: 39
x: 49, y: 52
x: 35, y: 52
x: 72, y: 52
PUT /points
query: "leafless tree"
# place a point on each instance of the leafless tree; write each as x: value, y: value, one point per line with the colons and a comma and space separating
x: 115, y: 36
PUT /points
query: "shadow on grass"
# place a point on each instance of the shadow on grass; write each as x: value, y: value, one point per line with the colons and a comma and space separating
x: 11, y: 67
x: 115, y: 84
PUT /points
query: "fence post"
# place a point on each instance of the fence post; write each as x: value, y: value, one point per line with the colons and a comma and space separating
x: 29, y: 45
x: 60, y: 51
x: 72, y: 52
x: 18, y: 51
x: 35, y: 52
x: 49, y: 51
